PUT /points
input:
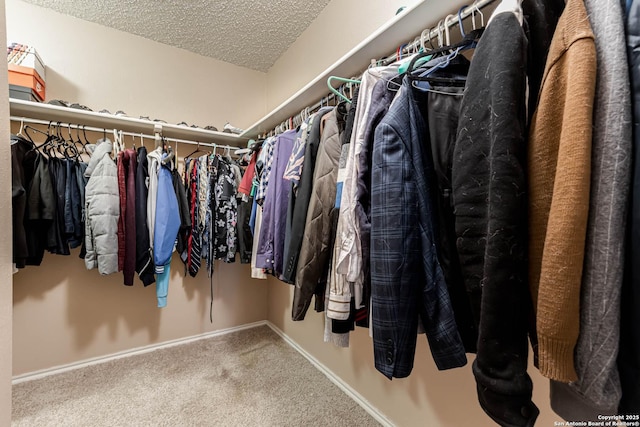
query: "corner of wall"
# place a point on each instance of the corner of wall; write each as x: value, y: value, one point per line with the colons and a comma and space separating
x: 6, y: 279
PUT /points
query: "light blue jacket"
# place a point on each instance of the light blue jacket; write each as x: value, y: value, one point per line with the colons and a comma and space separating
x: 167, y: 220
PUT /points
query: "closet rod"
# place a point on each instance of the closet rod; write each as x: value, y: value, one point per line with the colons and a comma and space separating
x: 453, y: 22
x: 438, y: 30
x: 103, y: 130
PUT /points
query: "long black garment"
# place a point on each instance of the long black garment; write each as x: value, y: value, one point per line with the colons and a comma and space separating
x: 245, y: 237
x: 41, y: 206
x: 19, y: 185
x: 490, y: 204
x: 144, y: 261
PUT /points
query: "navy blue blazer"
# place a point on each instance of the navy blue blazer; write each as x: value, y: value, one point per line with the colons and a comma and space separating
x: 407, y: 281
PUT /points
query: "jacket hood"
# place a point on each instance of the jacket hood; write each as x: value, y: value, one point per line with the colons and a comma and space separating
x: 155, y: 154
x: 97, y: 151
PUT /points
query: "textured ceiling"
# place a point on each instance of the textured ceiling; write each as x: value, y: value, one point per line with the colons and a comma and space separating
x: 248, y: 33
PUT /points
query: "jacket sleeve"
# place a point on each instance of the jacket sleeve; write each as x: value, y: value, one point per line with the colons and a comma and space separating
x: 393, y: 250
x: 90, y: 257
x: 167, y: 221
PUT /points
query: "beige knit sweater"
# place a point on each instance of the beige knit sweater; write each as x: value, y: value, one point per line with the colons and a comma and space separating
x: 559, y: 164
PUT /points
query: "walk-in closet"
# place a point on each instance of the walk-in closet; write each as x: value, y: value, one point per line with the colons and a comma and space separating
x: 341, y: 212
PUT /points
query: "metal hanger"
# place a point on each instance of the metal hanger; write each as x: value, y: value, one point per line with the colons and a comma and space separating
x: 197, y: 150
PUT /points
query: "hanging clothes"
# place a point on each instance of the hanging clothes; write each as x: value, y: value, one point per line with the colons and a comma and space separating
x: 102, y: 209
x: 271, y: 243
x: 597, y: 390
x: 185, y: 213
x: 541, y: 17
x: 559, y: 170
x: 383, y: 93
x: 167, y: 225
x: 403, y: 257
x: 224, y: 210
x: 440, y: 107
x: 19, y: 185
x: 194, y: 245
x: 302, y: 180
x: 144, y: 261
x: 40, y: 209
x: 490, y: 204
x: 316, y: 248
x: 245, y: 206
x: 348, y: 262
x: 57, y: 241
x: 127, y: 168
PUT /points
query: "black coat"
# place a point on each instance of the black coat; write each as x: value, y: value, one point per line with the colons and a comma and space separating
x: 41, y: 206
x: 144, y: 260
x: 490, y: 205
x: 19, y: 185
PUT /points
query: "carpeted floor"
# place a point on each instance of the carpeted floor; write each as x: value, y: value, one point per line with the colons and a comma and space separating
x: 247, y: 378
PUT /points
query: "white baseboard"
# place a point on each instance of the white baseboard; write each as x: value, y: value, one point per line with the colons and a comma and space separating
x: 350, y: 391
x: 30, y: 376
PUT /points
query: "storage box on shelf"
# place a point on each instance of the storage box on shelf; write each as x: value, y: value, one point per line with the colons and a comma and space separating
x: 21, y: 92
x: 26, y: 70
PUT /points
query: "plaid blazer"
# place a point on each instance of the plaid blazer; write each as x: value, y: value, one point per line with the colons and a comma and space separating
x: 406, y: 279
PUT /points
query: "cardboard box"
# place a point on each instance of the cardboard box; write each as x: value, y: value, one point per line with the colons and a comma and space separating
x: 26, y: 56
x: 28, y: 78
x: 25, y: 93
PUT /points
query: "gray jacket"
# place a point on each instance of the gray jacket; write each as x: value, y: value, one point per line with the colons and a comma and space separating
x: 597, y: 390
x: 316, y: 244
x: 102, y: 209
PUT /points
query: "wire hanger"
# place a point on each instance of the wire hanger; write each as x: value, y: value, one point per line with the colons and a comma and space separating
x: 197, y: 150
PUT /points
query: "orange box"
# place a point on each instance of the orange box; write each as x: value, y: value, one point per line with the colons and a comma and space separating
x: 27, y: 77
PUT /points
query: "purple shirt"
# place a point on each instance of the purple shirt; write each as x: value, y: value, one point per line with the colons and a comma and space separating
x: 270, y: 253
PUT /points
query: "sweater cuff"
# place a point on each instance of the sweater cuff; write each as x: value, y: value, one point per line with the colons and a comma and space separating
x: 555, y: 359
x: 339, y: 307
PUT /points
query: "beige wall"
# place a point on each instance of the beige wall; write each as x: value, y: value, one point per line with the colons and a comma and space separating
x: 104, y: 68
x: 64, y: 313
x: 428, y: 397
x: 338, y: 29
x: 5, y: 249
